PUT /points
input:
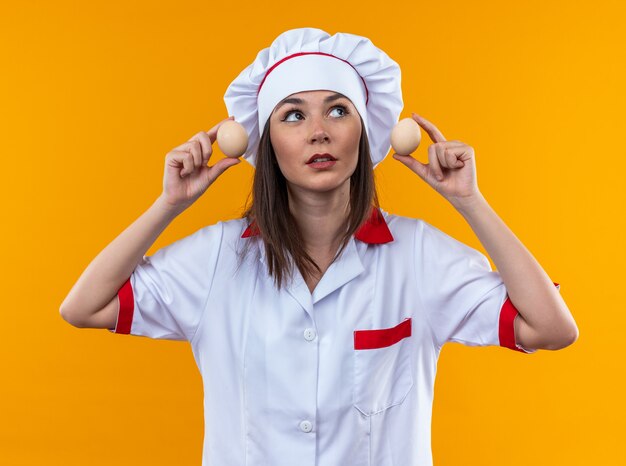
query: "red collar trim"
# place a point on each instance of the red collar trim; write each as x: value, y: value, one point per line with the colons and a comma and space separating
x: 373, y: 231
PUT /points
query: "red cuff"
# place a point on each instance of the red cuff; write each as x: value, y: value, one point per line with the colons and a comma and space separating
x: 506, y: 330
x: 127, y: 306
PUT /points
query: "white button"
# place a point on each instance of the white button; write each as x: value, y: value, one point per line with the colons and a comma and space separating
x: 309, y: 334
x: 306, y: 426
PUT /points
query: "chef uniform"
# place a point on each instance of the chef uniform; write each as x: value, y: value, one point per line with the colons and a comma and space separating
x: 343, y: 375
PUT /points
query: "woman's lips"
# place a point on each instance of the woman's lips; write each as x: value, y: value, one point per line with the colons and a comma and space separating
x: 321, y: 156
x: 326, y: 164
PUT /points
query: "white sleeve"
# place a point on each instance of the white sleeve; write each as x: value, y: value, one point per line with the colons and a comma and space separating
x: 165, y: 296
x: 465, y: 301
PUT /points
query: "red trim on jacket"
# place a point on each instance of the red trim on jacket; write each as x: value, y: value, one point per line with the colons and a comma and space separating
x: 373, y: 231
x: 381, y: 338
x: 506, y: 330
x: 127, y: 307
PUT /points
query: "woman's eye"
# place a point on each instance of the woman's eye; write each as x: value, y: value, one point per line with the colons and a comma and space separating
x: 343, y: 110
x: 292, y: 112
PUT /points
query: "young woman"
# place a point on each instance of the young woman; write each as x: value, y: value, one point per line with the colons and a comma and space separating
x: 317, y: 319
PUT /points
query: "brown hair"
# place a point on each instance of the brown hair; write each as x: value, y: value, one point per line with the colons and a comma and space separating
x: 278, y: 228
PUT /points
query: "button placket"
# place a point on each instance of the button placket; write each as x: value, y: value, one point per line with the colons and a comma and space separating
x: 309, y: 335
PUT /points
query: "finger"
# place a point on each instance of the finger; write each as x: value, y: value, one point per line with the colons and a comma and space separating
x: 196, y: 152
x: 220, y: 167
x: 452, y: 156
x: 183, y: 158
x: 187, y: 160
x: 205, y: 143
x: 448, y: 155
x: 193, y: 149
x: 446, y: 159
x: 441, y: 157
x: 433, y: 162
x: 434, y: 133
x: 213, y: 131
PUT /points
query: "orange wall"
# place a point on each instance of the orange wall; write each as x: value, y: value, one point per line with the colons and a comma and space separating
x: 94, y: 94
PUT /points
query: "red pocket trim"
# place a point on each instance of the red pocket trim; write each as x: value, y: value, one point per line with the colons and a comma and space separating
x: 381, y: 338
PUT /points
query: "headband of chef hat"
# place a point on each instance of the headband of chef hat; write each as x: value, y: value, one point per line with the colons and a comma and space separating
x: 307, y: 59
x: 309, y: 71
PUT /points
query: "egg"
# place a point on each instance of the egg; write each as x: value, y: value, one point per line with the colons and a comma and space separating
x: 406, y: 136
x: 232, y: 138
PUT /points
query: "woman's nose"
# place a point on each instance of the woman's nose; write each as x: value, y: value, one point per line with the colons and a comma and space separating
x: 320, y: 135
x: 318, y: 132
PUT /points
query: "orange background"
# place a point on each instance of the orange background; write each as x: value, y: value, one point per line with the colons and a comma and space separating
x: 93, y: 96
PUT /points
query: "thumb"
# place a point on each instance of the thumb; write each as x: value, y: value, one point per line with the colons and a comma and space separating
x: 413, y: 164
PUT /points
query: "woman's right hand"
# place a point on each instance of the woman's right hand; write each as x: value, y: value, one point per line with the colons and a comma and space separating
x: 187, y: 175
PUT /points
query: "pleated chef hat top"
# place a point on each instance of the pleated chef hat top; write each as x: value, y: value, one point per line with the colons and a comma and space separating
x: 308, y: 59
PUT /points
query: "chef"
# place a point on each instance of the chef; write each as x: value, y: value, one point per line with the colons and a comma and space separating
x: 317, y: 319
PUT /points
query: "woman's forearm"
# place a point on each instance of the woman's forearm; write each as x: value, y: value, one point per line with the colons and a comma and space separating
x: 529, y: 288
x: 105, y: 275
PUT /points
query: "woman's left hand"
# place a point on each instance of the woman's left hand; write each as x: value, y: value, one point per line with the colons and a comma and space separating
x: 451, y: 170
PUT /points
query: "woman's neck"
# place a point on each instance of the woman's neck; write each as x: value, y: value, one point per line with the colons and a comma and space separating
x: 321, y: 217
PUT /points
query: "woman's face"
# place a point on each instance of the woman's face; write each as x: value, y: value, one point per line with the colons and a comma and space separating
x: 316, y: 122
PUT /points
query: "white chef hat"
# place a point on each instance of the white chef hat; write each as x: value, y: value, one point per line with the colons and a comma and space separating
x: 308, y: 59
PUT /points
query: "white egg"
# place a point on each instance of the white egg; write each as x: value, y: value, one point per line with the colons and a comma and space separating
x: 232, y: 138
x: 406, y: 136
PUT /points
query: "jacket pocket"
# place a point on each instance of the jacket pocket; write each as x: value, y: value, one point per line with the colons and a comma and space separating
x: 383, y: 374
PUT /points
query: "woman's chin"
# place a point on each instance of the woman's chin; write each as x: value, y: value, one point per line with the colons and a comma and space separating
x: 328, y: 186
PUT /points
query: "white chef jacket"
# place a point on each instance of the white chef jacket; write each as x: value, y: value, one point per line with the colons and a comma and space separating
x: 341, y: 376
